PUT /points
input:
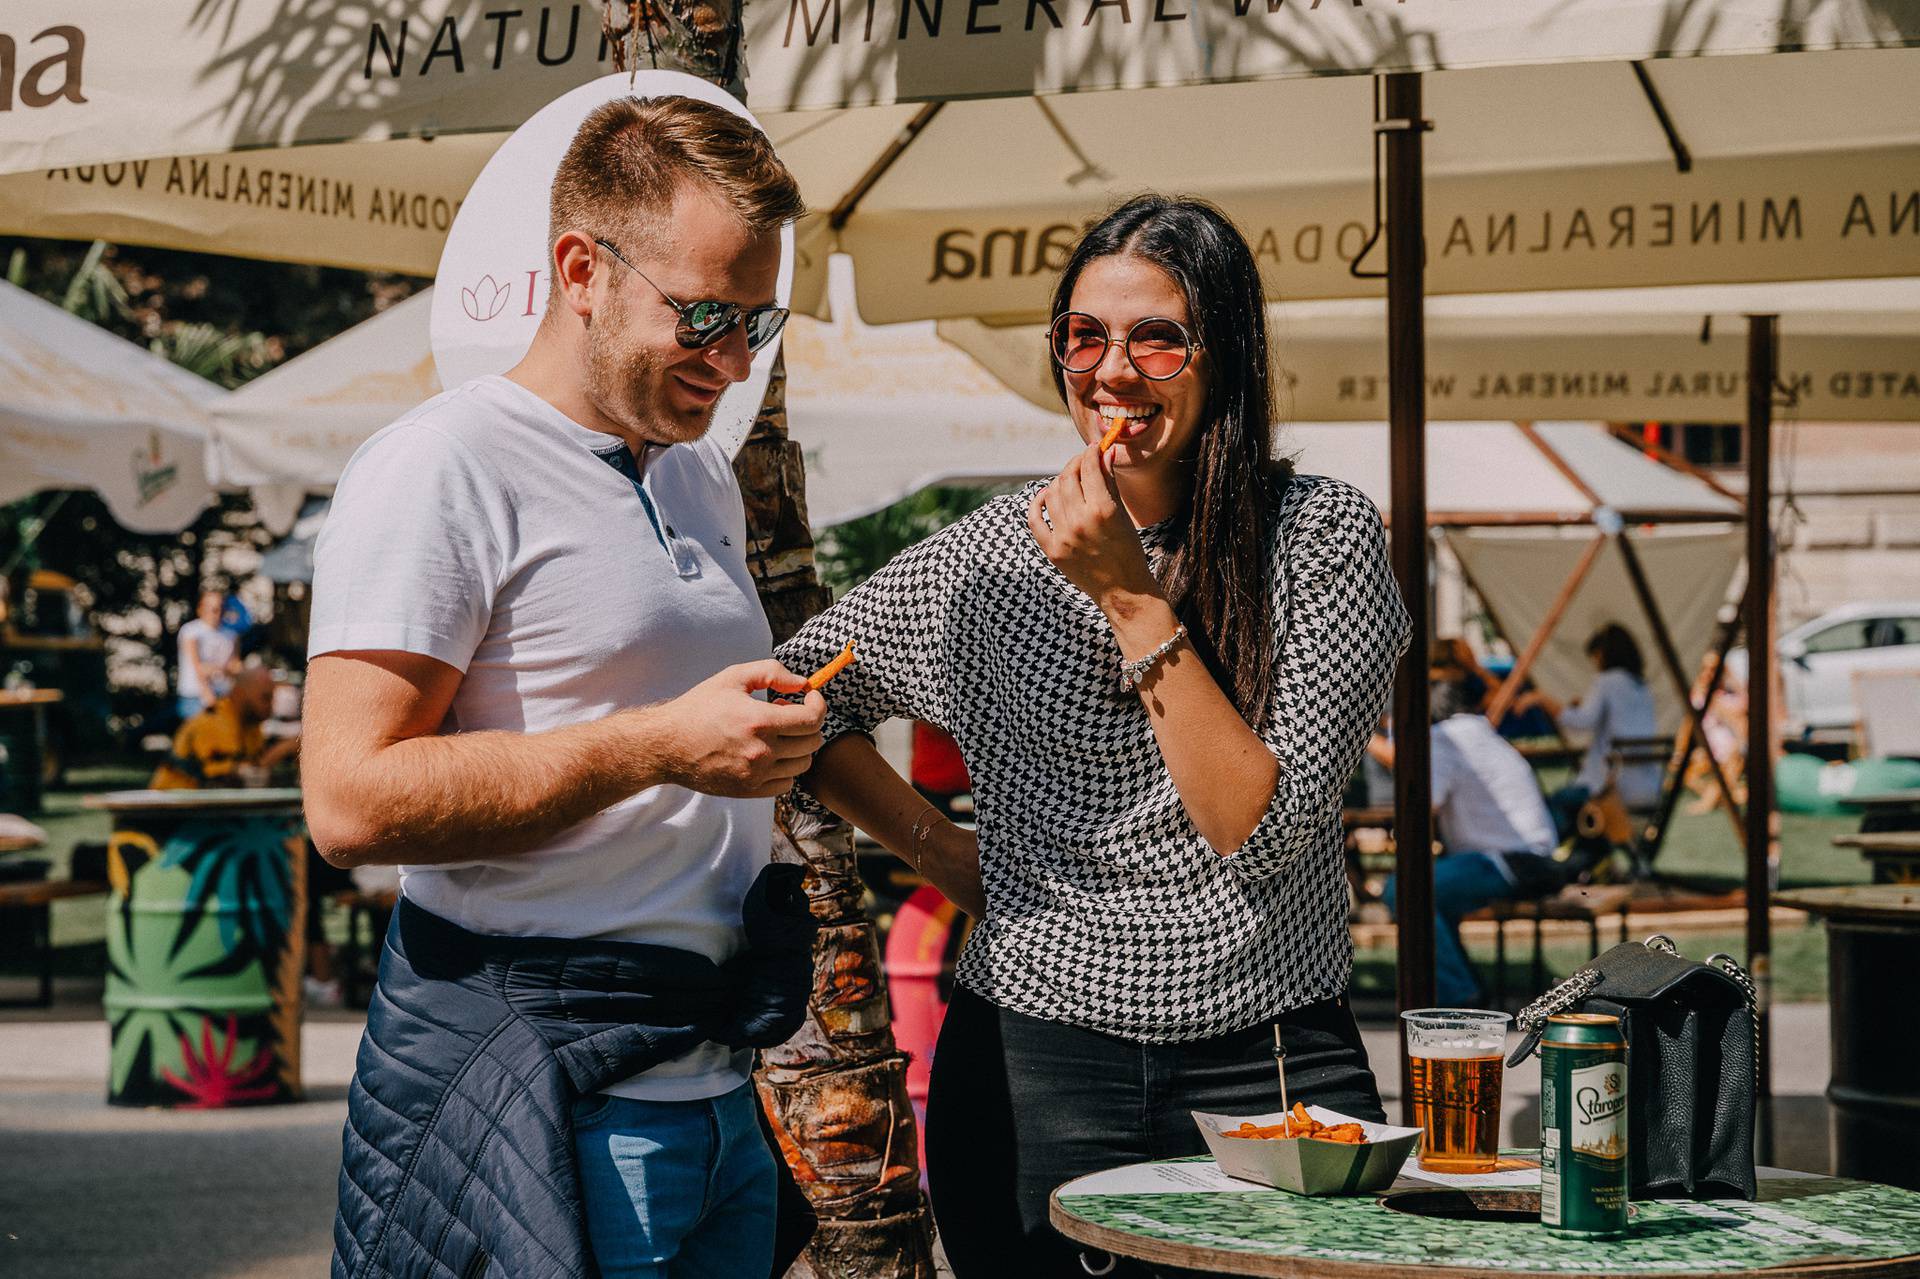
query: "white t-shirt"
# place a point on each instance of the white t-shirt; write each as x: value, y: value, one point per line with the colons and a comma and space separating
x: 215, y: 647
x: 1485, y: 797
x: 1616, y: 705
x: 485, y: 529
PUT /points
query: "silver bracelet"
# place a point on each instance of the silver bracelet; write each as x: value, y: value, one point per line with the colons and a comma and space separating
x: 1134, y: 673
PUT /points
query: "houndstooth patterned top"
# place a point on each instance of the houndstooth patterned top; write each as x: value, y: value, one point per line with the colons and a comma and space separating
x: 1105, y: 907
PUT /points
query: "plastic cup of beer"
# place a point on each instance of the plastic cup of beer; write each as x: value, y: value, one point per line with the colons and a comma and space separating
x: 1455, y: 1062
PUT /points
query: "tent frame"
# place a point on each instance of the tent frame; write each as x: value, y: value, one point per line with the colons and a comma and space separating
x: 1691, y: 737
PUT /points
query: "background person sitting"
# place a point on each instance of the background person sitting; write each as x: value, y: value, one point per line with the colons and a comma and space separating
x: 1493, y: 823
x: 1618, y: 704
x: 1451, y: 659
x: 224, y: 744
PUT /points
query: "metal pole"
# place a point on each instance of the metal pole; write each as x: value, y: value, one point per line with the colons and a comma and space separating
x: 1763, y: 856
x: 1670, y: 658
x: 1407, y: 415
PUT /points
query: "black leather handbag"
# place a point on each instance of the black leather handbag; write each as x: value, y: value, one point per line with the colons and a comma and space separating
x: 1692, y: 1063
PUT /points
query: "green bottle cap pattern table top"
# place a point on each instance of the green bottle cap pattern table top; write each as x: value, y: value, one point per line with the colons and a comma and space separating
x: 1800, y: 1226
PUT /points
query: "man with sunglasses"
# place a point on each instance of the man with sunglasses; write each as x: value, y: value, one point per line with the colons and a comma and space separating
x: 539, y: 683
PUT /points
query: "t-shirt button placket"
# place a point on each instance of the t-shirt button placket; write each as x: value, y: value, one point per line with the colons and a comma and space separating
x: 681, y: 550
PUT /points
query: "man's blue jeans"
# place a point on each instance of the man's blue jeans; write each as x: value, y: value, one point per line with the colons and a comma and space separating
x: 1565, y: 805
x: 1462, y: 884
x: 680, y: 1189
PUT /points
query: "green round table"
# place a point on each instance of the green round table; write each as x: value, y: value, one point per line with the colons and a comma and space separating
x: 1185, y: 1213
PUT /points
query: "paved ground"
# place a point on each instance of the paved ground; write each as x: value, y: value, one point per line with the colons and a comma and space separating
x: 89, y: 1191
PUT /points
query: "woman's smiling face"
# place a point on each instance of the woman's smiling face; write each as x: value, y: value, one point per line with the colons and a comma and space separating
x: 1163, y: 416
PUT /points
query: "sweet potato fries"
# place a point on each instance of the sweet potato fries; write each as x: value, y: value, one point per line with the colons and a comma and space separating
x: 1299, y: 1123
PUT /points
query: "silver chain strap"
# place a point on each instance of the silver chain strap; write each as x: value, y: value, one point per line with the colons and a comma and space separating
x: 1578, y: 986
x: 1557, y: 1000
x: 1732, y: 967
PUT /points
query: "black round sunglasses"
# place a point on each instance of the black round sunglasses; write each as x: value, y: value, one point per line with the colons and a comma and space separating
x: 705, y: 322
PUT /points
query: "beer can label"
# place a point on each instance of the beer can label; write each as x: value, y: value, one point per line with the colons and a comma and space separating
x: 1550, y: 1177
x: 1600, y: 1110
x: 1583, y: 1138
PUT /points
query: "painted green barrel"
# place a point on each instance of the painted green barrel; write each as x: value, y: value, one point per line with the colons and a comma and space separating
x: 206, y: 947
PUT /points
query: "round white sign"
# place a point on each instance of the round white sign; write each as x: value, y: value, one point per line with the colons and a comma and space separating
x: 491, y: 289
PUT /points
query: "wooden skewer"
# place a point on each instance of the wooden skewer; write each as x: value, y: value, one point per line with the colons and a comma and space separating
x: 1280, y: 1064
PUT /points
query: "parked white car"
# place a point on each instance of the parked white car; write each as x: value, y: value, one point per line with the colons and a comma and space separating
x: 1818, y: 659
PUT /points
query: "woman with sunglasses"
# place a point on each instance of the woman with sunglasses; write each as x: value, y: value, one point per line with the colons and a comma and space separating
x: 1162, y: 668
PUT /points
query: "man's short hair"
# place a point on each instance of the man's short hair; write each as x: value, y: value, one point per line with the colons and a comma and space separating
x: 630, y: 156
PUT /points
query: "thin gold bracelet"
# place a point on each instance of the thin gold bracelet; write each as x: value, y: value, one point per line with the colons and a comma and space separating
x: 917, y: 839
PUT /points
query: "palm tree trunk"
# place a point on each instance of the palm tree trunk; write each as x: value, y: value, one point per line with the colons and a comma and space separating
x: 836, y: 1093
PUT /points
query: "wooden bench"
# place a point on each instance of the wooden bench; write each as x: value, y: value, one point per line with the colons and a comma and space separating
x: 1886, y: 811
x: 1893, y: 855
x: 1577, y: 903
x: 359, y: 960
x: 34, y: 901
x: 1642, y: 904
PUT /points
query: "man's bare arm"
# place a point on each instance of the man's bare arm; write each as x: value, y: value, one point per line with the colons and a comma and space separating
x: 382, y: 786
x: 203, y: 680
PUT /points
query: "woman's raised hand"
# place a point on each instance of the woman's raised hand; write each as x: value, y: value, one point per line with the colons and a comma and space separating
x: 1081, y: 526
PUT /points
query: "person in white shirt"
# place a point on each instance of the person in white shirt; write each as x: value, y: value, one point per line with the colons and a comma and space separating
x: 539, y: 666
x: 208, y: 655
x: 1492, y: 821
x: 1618, y: 704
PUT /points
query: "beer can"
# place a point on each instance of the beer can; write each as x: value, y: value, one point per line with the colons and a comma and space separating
x: 1583, y: 1126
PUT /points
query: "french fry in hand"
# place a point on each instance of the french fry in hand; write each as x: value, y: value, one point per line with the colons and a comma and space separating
x: 818, y: 680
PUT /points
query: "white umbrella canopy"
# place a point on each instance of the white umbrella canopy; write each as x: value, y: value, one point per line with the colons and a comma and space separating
x: 299, y: 423
x: 1507, y: 473
x: 89, y: 86
x: 882, y: 411
x: 1850, y: 351
x: 823, y: 53
x: 1539, y: 176
x: 94, y: 84
x: 367, y: 206
x: 1802, y: 167
x: 83, y: 408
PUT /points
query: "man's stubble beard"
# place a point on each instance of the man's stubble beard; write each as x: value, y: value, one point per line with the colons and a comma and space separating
x: 629, y: 385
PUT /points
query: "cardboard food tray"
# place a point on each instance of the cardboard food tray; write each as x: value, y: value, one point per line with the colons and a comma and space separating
x: 1303, y: 1165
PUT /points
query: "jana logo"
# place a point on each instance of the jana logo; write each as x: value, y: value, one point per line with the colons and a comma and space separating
x: 485, y: 299
x: 152, y: 473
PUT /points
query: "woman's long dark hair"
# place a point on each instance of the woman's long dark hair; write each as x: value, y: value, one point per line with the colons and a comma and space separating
x: 1614, y: 645
x: 1218, y: 574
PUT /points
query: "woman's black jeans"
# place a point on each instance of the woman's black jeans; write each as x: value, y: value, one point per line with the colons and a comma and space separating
x: 1018, y: 1105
